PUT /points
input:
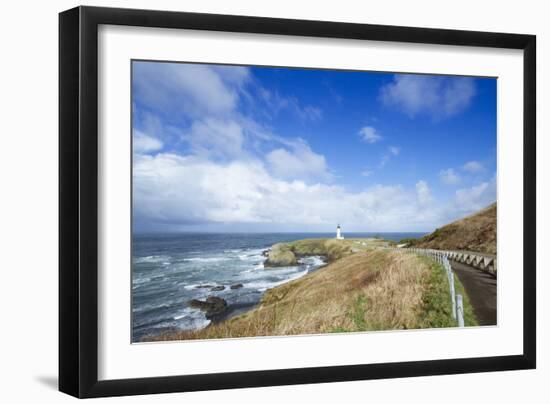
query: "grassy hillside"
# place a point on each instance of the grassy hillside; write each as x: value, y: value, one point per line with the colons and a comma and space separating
x: 366, y: 289
x: 477, y: 232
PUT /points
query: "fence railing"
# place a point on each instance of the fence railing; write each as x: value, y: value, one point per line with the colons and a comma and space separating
x: 441, y: 257
x: 456, y: 299
x: 479, y: 261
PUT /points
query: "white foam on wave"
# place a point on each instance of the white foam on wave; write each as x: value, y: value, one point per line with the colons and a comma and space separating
x: 256, y: 268
x: 197, y: 286
x: 262, y: 286
x: 191, y: 319
x: 139, y: 281
x: 152, y: 259
x: 207, y: 259
x: 150, y: 306
x: 313, y: 261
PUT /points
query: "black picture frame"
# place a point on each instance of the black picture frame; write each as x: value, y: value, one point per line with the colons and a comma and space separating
x: 78, y: 201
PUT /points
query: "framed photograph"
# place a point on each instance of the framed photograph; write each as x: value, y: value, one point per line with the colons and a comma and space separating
x: 250, y: 201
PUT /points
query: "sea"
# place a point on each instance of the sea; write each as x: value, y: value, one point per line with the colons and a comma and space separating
x: 170, y: 269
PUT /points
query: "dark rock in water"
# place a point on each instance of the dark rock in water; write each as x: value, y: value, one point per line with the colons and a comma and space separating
x: 203, y: 286
x: 237, y: 286
x: 213, y: 306
x: 265, y: 253
x: 217, y: 288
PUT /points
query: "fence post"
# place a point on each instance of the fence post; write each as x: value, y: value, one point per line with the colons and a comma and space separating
x: 451, y: 279
x: 456, y: 300
x: 460, y: 310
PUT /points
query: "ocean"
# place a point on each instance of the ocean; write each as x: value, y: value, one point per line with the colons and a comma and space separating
x: 168, y: 270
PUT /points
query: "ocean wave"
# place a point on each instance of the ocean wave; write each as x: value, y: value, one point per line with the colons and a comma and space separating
x: 191, y: 319
x: 139, y: 281
x: 234, y: 250
x: 263, y: 285
x: 198, y: 285
x: 150, y: 306
x: 152, y: 259
x: 208, y: 259
x: 313, y: 261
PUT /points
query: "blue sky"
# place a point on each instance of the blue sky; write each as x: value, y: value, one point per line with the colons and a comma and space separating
x: 231, y: 148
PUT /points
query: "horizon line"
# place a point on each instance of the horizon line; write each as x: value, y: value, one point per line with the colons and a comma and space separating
x: 273, y: 232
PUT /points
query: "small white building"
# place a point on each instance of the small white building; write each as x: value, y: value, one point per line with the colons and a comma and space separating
x: 339, y: 235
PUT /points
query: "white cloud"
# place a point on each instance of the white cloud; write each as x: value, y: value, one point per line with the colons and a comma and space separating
x: 394, y: 150
x: 367, y: 173
x: 207, y: 100
x: 298, y: 163
x: 311, y: 113
x: 189, y: 89
x: 143, y: 143
x: 370, y: 134
x: 182, y: 190
x: 423, y: 193
x: 469, y: 200
x: 473, y: 167
x: 276, y: 103
x: 216, y: 137
x: 437, y: 96
x: 449, y: 177
x: 237, y: 171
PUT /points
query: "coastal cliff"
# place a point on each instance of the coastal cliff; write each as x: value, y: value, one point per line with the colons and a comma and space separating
x: 280, y: 255
x: 288, y: 254
x: 362, y: 288
x: 477, y: 233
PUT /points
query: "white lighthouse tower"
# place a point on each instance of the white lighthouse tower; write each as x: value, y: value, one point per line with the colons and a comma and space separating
x: 339, y: 235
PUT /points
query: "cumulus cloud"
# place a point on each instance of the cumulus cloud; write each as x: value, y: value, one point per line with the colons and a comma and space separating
x: 208, y: 102
x: 189, y: 89
x: 440, y: 97
x: 300, y: 162
x: 449, y: 177
x: 473, y: 167
x: 216, y: 137
x: 143, y: 143
x: 180, y: 190
x: 183, y: 190
x: 228, y: 168
x: 370, y: 134
x: 468, y: 200
x: 423, y: 193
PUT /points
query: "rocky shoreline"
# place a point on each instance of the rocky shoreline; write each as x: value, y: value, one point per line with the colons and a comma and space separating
x: 216, y: 309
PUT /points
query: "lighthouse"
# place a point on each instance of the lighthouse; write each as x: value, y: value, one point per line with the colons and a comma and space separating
x: 339, y: 235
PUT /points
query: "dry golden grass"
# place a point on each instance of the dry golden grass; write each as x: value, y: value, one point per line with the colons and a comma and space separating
x: 368, y: 290
x: 333, y: 249
x: 477, y: 232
